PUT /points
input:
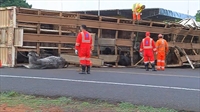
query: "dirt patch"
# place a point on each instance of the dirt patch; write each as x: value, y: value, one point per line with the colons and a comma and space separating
x: 22, y: 108
x: 19, y: 108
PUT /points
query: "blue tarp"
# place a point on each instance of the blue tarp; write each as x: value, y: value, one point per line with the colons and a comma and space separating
x: 162, y: 14
x: 156, y: 14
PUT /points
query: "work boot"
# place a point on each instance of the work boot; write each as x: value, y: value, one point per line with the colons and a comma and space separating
x: 83, y: 70
x: 153, y: 67
x: 146, y: 66
x: 88, y: 69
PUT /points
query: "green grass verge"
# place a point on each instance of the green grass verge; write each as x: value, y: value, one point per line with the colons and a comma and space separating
x: 15, y: 99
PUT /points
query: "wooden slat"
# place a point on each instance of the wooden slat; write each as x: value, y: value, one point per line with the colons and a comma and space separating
x: 27, y: 25
x: 75, y: 60
x: 109, y: 58
x: 90, y: 23
x: 49, y: 38
x: 183, y: 45
x: 57, y: 20
x: 106, y: 42
x: 196, y: 46
x: 191, y: 57
x: 93, y: 40
x: 124, y: 42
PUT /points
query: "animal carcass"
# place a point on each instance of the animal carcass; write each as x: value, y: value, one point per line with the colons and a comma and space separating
x: 50, y: 62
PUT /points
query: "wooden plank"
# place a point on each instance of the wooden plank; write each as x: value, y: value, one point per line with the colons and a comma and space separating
x: 116, y: 37
x: 183, y: 45
x: 106, y: 42
x: 196, y: 46
x: 124, y: 42
x: 49, y: 38
x: 46, y: 31
x: 75, y: 60
x: 109, y: 58
x: 27, y: 25
x: 191, y: 57
x: 38, y: 48
x: 96, y: 24
x: 92, y: 23
x: 93, y: 40
x: 171, y: 44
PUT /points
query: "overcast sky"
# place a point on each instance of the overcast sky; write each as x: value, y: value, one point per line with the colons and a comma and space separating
x: 181, y: 6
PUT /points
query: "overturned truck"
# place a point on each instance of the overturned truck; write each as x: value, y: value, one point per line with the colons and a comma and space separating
x: 116, y: 40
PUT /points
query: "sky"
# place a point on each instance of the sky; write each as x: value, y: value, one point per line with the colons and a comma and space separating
x: 183, y: 6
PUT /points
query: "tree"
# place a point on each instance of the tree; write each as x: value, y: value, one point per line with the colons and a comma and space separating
x: 198, y: 16
x: 18, y: 3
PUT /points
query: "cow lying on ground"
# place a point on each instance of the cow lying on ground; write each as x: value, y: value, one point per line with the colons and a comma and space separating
x: 50, y: 62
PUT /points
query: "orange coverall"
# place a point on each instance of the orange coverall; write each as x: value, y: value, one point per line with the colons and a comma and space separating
x: 162, y: 49
x: 147, y: 46
x: 137, y: 11
x: 84, y: 47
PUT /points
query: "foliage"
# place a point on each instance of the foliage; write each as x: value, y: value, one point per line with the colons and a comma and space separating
x: 198, y: 16
x: 18, y: 3
x: 13, y: 99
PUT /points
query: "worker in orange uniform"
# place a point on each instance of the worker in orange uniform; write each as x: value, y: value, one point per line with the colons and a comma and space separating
x: 162, y: 50
x: 137, y: 9
x: 147, y: 49
x: 83, y: 48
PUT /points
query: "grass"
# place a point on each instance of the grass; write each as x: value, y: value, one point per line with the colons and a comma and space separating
x: 12, y: 99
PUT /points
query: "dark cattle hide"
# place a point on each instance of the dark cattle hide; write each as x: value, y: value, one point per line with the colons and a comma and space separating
x: 107, y: 51
x: 50, y: 62
x: 124, y: 59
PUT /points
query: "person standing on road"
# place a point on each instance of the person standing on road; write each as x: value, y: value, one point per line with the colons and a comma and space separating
x: 83, y: 48
x: 147, y: 49
x: 162, y: 49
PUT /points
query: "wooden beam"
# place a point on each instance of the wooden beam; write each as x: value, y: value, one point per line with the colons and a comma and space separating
x: 49, y: 38
x: 91, y: 23
x: 106, y: 42
x: 75, y: 60
x: 191, y: 57
x: 109, y: 58
x: 116, y: 36
x: 99, y: 36
x: 124, y: 42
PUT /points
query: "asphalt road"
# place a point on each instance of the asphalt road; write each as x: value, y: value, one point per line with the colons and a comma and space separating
x: 173, y: 88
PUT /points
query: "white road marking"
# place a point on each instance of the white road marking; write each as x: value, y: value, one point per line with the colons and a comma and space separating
x: 99, y: 82
x: 149, y: 73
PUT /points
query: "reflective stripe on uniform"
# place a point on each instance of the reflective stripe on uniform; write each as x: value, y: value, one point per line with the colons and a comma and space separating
x: 151, y: 61
x: 82, y: 58
x: 158, y: 66
x: 158, y: 60
x: 87, y: 59
x: 162, y: 61
x: 138, y: 10
x: 83, y: 38
x: 77, y: 44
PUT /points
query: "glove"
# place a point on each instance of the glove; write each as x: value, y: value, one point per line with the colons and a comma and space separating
x: 141, y: 54
x: 76, y: 52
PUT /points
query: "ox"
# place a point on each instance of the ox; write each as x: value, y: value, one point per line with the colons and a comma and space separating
x: 50, y: 62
